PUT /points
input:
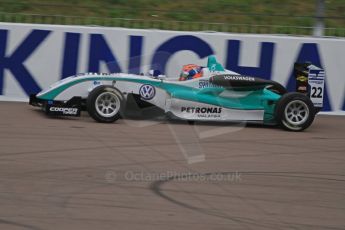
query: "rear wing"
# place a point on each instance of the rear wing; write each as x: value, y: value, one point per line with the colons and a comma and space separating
x: 310, y: 80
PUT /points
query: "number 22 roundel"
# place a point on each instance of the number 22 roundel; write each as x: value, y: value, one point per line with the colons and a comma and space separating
x: 316, y: 81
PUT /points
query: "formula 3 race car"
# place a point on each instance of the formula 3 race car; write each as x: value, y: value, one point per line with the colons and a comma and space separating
x: 217, y: 95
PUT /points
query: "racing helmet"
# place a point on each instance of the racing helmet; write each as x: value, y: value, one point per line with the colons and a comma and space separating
x: 190, y: 71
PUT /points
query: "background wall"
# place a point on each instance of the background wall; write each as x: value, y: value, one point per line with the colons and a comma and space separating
x: 34, y: 56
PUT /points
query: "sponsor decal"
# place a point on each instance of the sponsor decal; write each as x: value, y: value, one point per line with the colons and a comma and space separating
x: 316, y: 74
x: 96, y: 82
x: 239, y: 78
x: 302, y: 78
x: 203, y: 112
x: 64, y: 111
x: 207, y: 84
x: 201, y: 109
x: 147, y: 92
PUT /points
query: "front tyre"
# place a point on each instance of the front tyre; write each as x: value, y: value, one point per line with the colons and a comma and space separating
x: 104, y: 104
x: 295, y: 112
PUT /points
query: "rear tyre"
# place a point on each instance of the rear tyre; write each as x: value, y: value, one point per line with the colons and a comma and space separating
x: 295, y: 112
x: 105, y: 104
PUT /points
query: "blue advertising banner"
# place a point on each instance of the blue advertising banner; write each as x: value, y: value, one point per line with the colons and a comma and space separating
x: 34, y: 56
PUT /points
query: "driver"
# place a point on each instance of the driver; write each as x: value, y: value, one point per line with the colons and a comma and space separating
x: 190, y: 71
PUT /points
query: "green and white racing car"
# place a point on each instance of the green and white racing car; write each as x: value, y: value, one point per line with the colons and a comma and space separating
x: 217, y: 95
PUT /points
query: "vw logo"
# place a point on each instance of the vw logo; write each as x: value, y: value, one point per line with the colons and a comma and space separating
x: 147, y: 92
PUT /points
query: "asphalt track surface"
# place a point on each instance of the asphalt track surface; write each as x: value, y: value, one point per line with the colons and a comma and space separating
x: 74, y: 173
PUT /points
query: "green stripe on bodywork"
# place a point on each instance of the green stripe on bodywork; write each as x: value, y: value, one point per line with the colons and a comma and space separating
x: 55, y: 92
x: 256, y: 100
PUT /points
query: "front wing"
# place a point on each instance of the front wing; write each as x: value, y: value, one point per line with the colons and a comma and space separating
x: 71, y: 107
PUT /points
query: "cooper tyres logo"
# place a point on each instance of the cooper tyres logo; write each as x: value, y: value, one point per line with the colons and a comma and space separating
x: 65, y: 111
